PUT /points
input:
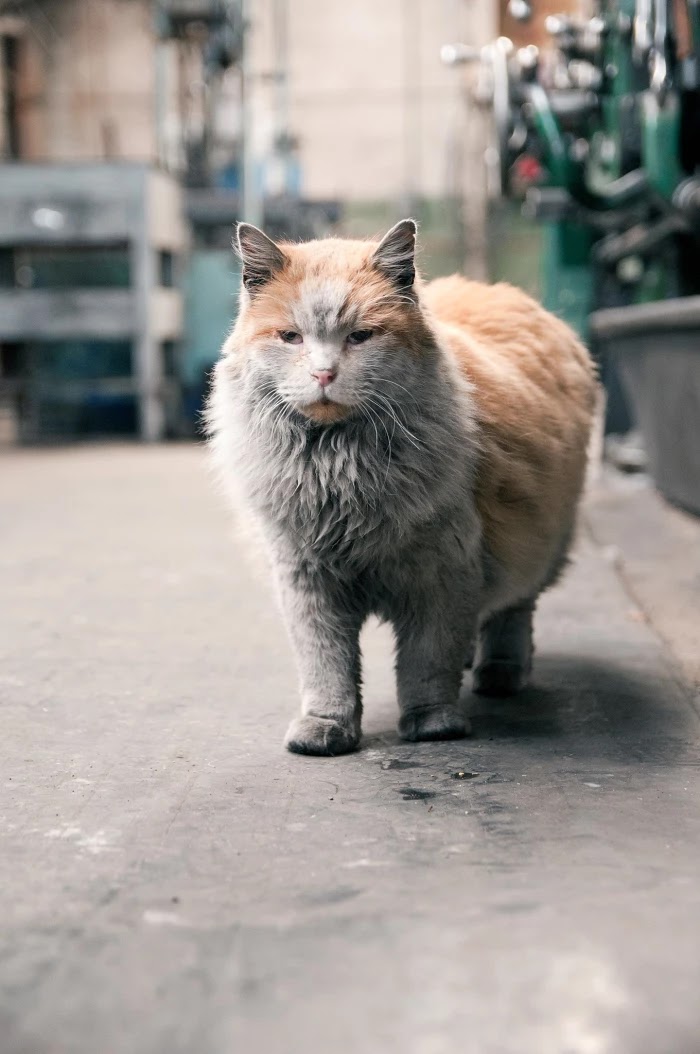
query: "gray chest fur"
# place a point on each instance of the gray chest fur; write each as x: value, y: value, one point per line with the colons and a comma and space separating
x: 351, y: 498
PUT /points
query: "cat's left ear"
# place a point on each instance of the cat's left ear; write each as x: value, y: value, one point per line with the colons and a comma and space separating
x: 395, y: 256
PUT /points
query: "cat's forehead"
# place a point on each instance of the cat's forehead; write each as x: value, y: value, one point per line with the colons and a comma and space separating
x: 330, y: 256
x: 321, y: 302
x: 328, y: 282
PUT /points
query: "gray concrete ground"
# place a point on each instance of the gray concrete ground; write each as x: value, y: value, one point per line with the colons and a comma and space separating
x: 173, y: 882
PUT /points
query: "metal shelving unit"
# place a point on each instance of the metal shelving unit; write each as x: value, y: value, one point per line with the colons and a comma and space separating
x: 90, y: 305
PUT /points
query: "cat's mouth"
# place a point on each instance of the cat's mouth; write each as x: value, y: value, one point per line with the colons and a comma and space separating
x: 325, y: 410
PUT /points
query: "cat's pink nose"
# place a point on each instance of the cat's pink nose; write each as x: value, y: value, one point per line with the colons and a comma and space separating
x: 324, y: 377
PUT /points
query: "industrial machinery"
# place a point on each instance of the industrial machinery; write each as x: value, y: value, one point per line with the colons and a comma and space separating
x: 600, y: 137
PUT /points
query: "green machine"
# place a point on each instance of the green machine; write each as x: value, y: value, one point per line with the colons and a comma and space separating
x: 599, y: 137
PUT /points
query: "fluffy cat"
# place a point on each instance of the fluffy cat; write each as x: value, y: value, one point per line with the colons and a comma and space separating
x: 414, y: 451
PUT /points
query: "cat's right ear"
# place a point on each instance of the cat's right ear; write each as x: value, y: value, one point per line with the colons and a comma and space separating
x: 260, y: 256
x: 395, y: 256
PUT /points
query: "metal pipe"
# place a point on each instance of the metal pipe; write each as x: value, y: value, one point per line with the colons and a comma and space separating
x: 252, y: 210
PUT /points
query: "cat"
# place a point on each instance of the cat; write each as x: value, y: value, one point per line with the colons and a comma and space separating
x: 410, y: 450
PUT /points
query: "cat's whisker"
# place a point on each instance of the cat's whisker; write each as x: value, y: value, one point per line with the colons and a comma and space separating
x: 389, y: 437
x: 381, y: 421
x: 414, y: 400
x: 390, y: 440
x: 387, y: 406
x: 365, y: 413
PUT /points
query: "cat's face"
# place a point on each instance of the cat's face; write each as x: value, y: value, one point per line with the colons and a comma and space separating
x: 331, y: 328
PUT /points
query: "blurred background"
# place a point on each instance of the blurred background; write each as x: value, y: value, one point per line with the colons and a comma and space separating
x: 554, y: 145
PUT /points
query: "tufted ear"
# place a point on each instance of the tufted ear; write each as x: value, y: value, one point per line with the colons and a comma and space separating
x: 260, y: 256
x: 395, y: 256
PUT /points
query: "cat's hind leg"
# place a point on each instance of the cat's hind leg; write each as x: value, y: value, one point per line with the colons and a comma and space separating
x: 504, y: 650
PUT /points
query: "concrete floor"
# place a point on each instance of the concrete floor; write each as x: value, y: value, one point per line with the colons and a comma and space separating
x: 172, y: 881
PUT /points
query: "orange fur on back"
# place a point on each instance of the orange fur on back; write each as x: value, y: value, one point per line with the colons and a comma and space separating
x: 534, y: 388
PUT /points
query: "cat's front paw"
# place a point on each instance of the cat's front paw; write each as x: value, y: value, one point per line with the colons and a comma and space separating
x: 437, y: 723
x: 499, y: 678
x: 321, y: 736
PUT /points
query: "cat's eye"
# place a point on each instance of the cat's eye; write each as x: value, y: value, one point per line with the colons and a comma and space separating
x: 290, y: 336
x: 359, y: 336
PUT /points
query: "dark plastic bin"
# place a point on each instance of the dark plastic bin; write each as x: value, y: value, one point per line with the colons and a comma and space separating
x: 656, y: 348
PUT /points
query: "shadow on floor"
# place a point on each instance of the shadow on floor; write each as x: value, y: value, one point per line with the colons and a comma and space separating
x: 585, y: 708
